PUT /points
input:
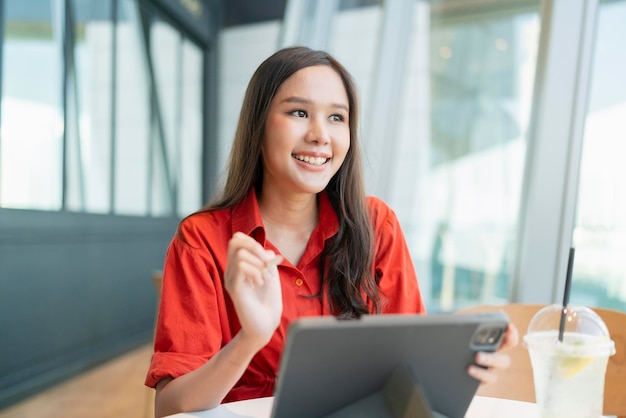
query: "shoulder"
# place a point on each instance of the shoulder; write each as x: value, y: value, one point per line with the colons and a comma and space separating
x: 381, y: 213
x: 377, y: 204
x: 201, y: 228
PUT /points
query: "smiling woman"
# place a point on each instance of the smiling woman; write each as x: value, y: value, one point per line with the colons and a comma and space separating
x: 307, y: 121
x: 292, y: 234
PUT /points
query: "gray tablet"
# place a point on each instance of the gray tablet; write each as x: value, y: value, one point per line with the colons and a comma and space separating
x: 343, y: 368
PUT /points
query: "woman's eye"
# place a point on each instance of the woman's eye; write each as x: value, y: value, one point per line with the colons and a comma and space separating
x: 299, y: 113
x: 337, y: 118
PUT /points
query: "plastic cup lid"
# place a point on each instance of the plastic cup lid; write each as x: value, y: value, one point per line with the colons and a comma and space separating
x: 585, y: 334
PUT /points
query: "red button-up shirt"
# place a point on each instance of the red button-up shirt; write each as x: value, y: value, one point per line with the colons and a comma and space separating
x: 197, y: 317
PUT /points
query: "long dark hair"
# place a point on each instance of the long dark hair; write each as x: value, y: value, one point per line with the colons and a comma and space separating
x: 346, y: 260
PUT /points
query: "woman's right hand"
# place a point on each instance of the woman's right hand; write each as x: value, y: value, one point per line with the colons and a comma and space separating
x: 251, y: 279
x: 253, y: 283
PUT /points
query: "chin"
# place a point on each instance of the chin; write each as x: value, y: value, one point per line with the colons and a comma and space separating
x: 313, y: 188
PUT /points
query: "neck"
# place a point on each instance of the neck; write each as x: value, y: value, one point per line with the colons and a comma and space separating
x: 289, y: 221
x: 295, y: 212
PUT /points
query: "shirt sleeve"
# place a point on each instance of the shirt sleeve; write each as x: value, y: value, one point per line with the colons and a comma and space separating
x: 188, y: 330
x: 393, y: 264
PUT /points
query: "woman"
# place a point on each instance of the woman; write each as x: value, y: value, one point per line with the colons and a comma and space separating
x: 292, y: 235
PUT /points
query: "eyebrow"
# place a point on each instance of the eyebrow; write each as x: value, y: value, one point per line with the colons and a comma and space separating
x: 295, y: 99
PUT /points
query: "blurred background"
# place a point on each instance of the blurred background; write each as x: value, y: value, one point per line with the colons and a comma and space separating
x: 496, y: 130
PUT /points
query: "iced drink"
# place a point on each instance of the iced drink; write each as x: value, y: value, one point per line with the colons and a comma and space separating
x: 569, y: 379
x: 569, y: 374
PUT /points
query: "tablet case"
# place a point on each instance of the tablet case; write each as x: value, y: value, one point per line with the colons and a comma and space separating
x: 383, y: 365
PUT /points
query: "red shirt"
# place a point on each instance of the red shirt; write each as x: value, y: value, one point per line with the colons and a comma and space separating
x: 197, y: 317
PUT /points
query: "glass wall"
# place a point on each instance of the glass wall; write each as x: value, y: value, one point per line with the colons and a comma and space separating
x: 478, y: 88
x: 113, y: 124
x: 133, y: 110
x: 89, y: 104
x: 31, y: 124
x: 446, y: 93
x: 457, y: 137
x: 600, y: 230
x: 471, y: 125
x: 178, y: 76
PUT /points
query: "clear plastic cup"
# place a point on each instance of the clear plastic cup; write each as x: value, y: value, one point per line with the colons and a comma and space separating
x: 569, y: 375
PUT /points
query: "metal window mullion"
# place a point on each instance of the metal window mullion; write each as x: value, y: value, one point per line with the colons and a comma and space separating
x: 151, y: 157
x: 113, y: 105
x: 178, y: 120
x: 2, y: 25
x: 73, y: 82
x: 292, y: 21
x: 145, y: 32
x: 380, y: 127
x: 307, y: 23
x: 210, y: 103
x: 414, y: 132
x: 66, y: 40
x: 553, y: 151
x: 322, y: 23
x: 156, y: 108
x: 579, y: 116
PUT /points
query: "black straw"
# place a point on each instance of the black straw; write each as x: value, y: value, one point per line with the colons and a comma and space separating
x: 568, y: 285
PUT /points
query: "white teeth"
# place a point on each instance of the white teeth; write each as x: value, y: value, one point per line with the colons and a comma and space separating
x: 311, y: 160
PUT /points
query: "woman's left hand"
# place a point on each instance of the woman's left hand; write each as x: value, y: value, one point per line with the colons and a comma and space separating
x: 492, y: 362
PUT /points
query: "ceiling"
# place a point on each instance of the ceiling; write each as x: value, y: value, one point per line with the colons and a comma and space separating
x: 241, y: 12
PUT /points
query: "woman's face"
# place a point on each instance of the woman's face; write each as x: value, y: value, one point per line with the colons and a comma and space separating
x: 307, y: 133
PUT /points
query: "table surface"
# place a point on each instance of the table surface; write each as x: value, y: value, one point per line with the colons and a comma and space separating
x: 481, y: 407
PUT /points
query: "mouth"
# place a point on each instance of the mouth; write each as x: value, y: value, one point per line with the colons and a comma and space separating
x: 311, y: 160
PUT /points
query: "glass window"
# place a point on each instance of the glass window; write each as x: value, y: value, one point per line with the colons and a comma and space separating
x: 459, y: 140
x: 241, y: 49
x: 471, y: 116
x: 355, y: 41
x: 89, y: 108
x: 178, y: 65
x: 132, y: 126
x: 600, y: 232
x: 191, y: 126
x: 165, y: 45
x: 114, y: 124
x: 31, y: 141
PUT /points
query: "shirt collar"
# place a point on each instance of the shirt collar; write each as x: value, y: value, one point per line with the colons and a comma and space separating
x: 247, y: 218
x: 328, y: 224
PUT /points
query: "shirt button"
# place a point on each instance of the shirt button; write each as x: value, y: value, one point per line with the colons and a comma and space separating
x: 299, y: 282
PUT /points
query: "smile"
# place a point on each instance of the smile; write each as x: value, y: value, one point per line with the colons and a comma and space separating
x: 311, y: 160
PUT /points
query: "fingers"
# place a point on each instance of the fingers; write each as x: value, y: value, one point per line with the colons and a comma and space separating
x: 493, y: 360
x: 241, y: 241
x: 511, y: 337
x: 253, y: 284
x: 485, y: 376
x: 273, y: 262
x: 271, y: 265
x: 248, y: 266
x: 487, y: 365
x: 247, y: 259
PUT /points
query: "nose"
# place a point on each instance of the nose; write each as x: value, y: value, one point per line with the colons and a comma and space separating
x: 318, y: 131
